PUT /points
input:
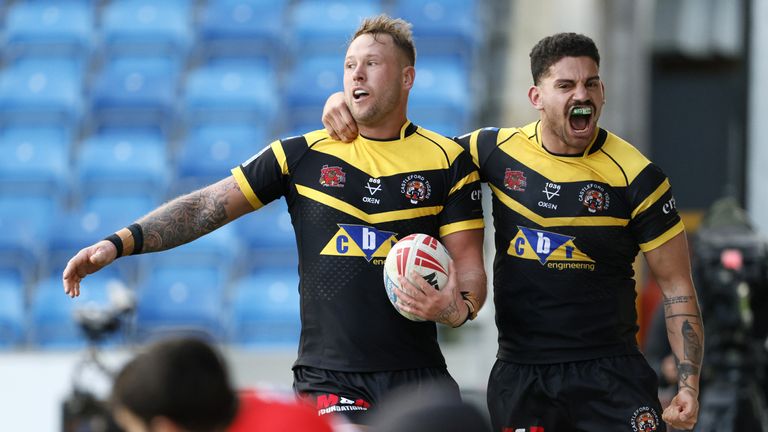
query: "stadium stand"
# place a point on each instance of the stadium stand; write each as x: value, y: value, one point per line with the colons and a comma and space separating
x: 110, y: 107
x: 12, y: 312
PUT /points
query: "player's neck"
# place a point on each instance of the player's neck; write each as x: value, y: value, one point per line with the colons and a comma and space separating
x: 387, y: 128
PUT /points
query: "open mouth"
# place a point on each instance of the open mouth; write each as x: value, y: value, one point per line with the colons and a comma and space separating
x: 358, y: 94
x: 579, y: 117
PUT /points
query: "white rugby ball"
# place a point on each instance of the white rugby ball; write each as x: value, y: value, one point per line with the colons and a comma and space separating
x: 417, y: 252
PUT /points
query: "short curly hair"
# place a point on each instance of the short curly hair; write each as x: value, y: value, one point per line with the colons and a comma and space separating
x: 551, y: 49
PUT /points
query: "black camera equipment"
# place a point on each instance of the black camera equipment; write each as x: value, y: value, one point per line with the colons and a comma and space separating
x: 83, y: 411
x: 730, y: 267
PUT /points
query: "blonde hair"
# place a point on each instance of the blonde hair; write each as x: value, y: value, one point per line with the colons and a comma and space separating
x: 398, y: 28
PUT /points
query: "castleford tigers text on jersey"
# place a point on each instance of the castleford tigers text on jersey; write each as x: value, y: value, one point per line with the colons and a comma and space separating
x: 568, y: 229
x: 349, y: 203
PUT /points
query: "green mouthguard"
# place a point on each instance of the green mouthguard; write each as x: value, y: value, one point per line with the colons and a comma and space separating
x: 582, y: 111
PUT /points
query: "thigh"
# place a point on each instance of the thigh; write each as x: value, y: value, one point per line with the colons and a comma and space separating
x: 525, y: 397
x: 614, y: 393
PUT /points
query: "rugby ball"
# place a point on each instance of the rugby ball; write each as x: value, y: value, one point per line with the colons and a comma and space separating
x: 417, y: 252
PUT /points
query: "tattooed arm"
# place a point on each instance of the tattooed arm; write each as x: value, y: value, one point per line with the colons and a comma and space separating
x: 671, y: 267
x: 172, y: 224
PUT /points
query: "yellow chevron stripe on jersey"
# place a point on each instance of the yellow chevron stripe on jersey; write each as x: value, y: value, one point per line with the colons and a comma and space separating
x: 237, y: 173
x: 374, y: 218
x: 556, y: 221
x: 387, y: 158
x: 652, y: 198
x: 660, y: 240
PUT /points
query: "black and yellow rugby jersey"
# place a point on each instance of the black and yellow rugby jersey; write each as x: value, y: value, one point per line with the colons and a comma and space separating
x: 567, y: 231
x: 349, y: 203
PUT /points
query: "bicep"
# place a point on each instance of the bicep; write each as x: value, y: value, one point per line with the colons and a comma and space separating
x: 228, y: 193
x: 670, y: 264
x: 466, y: 248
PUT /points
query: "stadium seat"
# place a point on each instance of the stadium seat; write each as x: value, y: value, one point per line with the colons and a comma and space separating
x: 147, y: 28
x: 268, y: 236
x: 36, y: 160
x: 52, y: 314
x: 210, y: 152
x: 136, y: 92
x: 324, y: 27
x: 41, y: 92
x: 242, y: 29
x: 180, y: 299
x: 123, y: 164
x: 12, y: 313
x: 219, y: 249
x: 313, y: 79
x: 235, y: 92
x: 265, y: 309
x: 49, y: 28
x: 443, y: 27
x: 25, y: 224
x: 440, y: 94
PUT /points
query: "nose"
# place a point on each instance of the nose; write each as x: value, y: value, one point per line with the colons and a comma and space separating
x: 580, y: 92
x: 358, y: 73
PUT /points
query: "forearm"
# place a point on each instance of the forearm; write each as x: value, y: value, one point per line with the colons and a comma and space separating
x: 685, y: 330
x: 191, y: 216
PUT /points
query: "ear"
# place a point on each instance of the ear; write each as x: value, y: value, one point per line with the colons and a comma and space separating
x: 409, y: 75
x: 534, y: 96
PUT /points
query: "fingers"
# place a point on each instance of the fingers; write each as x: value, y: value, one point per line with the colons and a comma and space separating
x: 70, y: 277
x: 681, y: 412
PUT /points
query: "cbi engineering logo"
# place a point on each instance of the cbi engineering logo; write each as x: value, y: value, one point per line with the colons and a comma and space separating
x: 556, y: 251
x: 360, y: 241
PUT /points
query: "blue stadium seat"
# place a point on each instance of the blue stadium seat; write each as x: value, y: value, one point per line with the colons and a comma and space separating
x: 210, y: 152
x: 12, y: 313
x: 218, y: 249
x: 181, y: 299
x: 319, y: 76
x: 268, y: 236
x: 49, y: 28
x: 264, y: 309
x: 41, y: 91
x: 443, y: 27
x: 242, y: 28
x: 324, y: 27
x: 36, y: 160
x: 123, y: 164
x: 136, y: 92
x: 147, y: 28
x: 25, y: 224
x: 52, y: 314
x: 239, y: 92
x: 440, y: 94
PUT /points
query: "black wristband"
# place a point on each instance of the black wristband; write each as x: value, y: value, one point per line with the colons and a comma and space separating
x: 118, y: 242
x: 138, y: 238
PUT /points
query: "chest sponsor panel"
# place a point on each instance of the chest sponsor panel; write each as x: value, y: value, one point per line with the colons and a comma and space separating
x: 360, y: 241
x: 553, y: 250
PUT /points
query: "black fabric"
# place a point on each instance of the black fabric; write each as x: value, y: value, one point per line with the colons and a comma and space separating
x: 609, y: 394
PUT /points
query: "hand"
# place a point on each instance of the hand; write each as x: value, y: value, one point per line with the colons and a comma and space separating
x: 445, y: 306
x: 87, y: 261
x: 683, y: 410
x: 338, y: 120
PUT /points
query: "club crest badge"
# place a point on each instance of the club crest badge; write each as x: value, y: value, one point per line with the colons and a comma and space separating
x: 332, y: 176
x: 515, y: 180
x: 416, y: 188
x: 645, y: 419
x: 594, y: 198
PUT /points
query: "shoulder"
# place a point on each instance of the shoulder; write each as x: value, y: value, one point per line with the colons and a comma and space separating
x: 631, y: 160
x: 451, y: 148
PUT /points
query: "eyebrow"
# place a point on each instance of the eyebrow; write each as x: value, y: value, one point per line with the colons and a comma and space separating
x: 565, y: 80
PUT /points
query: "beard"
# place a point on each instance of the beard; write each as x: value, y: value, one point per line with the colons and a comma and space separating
x: 375, y: 112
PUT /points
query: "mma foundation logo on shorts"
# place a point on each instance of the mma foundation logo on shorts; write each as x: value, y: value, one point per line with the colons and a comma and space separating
x: 331, y: 403
x: 644, y: 419
x: 556, y: 251
x: 360, y: 241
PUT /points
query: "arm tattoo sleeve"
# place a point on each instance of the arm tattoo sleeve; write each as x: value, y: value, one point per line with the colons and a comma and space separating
x: 691, y: 343
x: 186, y: 218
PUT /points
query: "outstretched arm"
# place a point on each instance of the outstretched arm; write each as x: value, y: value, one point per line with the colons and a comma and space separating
x: 177, y: 222
x: 338, y: 120
x: 671, y: 267
x: 465, y: 292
